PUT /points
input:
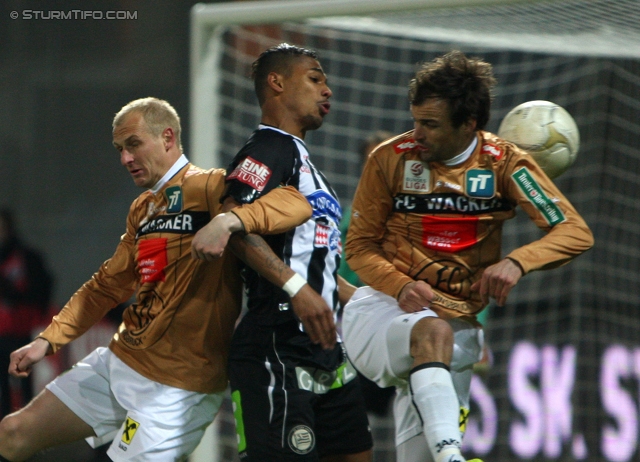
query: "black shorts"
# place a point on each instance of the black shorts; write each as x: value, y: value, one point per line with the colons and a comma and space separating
x: 287, y: 409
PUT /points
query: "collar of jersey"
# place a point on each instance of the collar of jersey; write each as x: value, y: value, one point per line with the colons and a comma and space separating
x: 460, y: 158
x: 175, y: 168
x: 269, y: 127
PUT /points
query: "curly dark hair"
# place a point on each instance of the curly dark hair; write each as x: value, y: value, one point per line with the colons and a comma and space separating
x: 276, y: 59
x: 466, y: 83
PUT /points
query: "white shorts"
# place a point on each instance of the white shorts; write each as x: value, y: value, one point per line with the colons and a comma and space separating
x: 146, y: 420
x: 377, y: 336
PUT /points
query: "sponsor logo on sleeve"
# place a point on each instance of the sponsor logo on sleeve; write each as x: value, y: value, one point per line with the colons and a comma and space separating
x: 535, y: 194
x: 417, y: 177
x: 493, y: 150
x: 480, y: 183
x: 152, y: 259
x: 252, y: 173
x: 174, y: 199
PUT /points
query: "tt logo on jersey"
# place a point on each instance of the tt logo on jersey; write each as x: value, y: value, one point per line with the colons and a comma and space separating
x: 417, y: 177
x: 174, y: 199
x: 480, y: 183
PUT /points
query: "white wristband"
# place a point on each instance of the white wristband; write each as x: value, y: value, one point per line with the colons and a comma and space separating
x: 293, y: 285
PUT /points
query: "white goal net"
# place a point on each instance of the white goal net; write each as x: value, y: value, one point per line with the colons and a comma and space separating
x: 566, y: 373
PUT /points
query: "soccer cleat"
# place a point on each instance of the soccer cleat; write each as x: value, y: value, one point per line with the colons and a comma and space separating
x: 474, y: 460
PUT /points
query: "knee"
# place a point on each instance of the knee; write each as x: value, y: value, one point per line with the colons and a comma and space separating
x: 12, y: 436
x: 432, y: 340
x: 433, y: 331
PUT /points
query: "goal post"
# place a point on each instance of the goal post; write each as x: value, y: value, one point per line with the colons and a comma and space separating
x: 566, y: 347
x: 208, y: 20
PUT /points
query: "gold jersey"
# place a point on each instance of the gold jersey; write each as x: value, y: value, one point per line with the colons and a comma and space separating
x: 178, y: 329
x: 413, y: 220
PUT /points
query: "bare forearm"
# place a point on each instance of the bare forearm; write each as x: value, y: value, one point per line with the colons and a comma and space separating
x: 345, y: 290
x: 255, y: 252
x: 310, y: 308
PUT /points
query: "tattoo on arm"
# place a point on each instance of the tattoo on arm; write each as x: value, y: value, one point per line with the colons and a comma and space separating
x: 255, y: 252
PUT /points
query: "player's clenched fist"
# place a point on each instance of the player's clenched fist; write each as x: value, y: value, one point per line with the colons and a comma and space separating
x: 22, y: 360
x: 415, y: 296
x: 209, y: 243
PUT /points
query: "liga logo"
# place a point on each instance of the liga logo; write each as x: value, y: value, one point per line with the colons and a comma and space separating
x: 301, y: 439
x: 417, y: 177
x: 253, y: 173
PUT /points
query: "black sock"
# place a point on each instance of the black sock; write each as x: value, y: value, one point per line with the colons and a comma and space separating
x: 2, y: 459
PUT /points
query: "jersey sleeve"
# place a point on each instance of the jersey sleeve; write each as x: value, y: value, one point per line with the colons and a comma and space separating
x: 267, y: 161
x: 112, y: 284
x: 372, y: 204
x: 275, y: 212
x: 567, y: 234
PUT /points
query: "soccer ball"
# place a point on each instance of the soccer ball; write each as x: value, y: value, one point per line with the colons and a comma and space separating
x: 546, y: 131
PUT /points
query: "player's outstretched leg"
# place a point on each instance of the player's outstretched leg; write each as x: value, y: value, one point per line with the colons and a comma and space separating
x: 43, y: 423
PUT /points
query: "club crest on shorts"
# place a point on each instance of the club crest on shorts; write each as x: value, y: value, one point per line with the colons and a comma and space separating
x: 301, y: 439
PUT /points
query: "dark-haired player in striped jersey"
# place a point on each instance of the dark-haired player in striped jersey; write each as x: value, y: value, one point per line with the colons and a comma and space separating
x: 296, y: 396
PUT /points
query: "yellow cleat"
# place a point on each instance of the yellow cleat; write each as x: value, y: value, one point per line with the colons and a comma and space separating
x: 474, y: 460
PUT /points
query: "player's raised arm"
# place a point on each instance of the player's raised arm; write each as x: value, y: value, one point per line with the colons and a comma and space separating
x: 278, y: 211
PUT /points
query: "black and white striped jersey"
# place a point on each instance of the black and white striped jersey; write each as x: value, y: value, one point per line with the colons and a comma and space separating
x: 270, y: 158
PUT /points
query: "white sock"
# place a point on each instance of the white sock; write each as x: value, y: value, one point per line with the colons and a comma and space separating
x: 437, y: 402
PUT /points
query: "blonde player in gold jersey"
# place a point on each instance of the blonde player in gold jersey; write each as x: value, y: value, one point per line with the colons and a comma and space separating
x: 161, y: 381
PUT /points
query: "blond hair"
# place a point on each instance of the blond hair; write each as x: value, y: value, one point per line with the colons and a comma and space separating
x: 158, y: 114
